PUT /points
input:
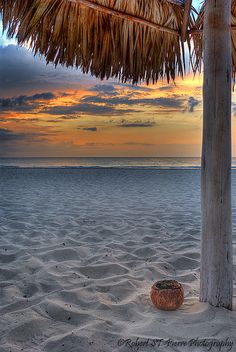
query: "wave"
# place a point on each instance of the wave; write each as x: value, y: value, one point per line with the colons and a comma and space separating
x: 104, y: 163
x: 137, y: 167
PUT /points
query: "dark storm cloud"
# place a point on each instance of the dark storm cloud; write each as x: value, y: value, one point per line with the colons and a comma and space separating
x: 134, y: 124
x: 86, y: 108
x: 192, y: 103
x: 24, y: 102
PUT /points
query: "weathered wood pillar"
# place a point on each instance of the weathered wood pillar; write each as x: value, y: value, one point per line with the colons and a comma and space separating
x: 216, y: 243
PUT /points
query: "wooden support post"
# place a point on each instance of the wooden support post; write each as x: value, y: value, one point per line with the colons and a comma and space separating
x: 216, y: 243
x: 185, y: 23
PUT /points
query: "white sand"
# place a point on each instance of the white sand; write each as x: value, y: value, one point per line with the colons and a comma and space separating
x: 80, y: 249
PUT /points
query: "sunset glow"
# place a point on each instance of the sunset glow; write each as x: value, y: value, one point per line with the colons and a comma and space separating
x: 61, y: 112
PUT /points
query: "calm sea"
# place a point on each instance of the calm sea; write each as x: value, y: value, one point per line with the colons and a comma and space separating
x: 143, y: 163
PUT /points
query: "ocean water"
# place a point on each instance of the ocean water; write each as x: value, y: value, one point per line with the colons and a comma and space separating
x: 144, y: 163
x: 108, y: 162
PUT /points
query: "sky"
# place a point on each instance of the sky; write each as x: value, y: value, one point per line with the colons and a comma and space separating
x: 48, y: 111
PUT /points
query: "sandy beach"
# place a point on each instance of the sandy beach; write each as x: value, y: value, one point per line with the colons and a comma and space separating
x: 80, y: 250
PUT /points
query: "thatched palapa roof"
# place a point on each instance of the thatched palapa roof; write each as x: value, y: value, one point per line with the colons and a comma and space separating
x: 197, y: 33
x: 133, y: 40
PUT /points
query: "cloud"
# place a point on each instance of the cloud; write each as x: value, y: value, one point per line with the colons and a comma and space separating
x: 116, y: 88
x: 7, y: 135
x: 140, y: 88
x: 90, y: 129
x: 105, y: 89
x: 69, y: 117
x: 21, y: 71
x: 192, y: 103
x: 7, y: 119
x: 24, y: 102
x: 54, y: 121
x: 85, y: 108
x: 173, y: 102
x: 17, y: 143
x: 40, y: 96
x: 138, y: 123
x: 136, y: 96
x: 59, y: 119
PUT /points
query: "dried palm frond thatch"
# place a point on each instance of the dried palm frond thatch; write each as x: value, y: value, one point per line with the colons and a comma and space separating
x: 133, y: 40
x: 197, y: 34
